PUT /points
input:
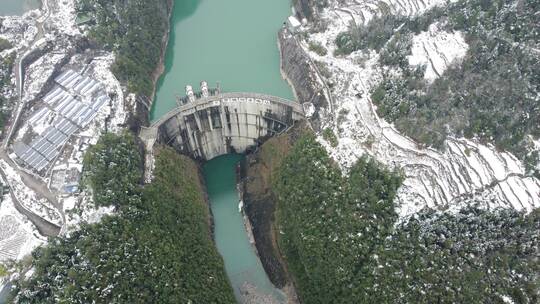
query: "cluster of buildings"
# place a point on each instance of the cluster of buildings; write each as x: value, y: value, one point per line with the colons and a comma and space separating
x: 70, y: 106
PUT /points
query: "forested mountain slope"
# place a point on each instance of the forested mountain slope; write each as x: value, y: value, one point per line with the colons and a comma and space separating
x: 135, y: 31
x: 492, y: 93
x: 157, y: 249
x: 342, y: 243
x: 445, y: 93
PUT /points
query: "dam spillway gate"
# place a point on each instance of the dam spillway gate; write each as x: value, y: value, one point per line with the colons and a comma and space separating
x: 210, y: 123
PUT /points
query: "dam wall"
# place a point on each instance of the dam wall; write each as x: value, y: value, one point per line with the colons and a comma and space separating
x: 210, y: 123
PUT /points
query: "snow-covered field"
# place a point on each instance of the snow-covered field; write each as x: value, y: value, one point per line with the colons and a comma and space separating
x: 17, y: 235
x: 437, y: 49
x: 440, y: 180
x: 38, y: 73
x: 20, y: 30
x: 63, y: 16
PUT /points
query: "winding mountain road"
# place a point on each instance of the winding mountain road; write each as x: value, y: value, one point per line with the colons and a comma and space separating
x: 44, y: 226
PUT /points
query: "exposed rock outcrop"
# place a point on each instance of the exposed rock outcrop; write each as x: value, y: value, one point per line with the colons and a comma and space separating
x: 303, y: 76
x: 260, y: 202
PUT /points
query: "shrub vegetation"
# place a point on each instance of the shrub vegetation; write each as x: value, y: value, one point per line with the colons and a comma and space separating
x: 4, y: 44
x: 134, y: 30
x: 157, y: 249
x: 342, y: 243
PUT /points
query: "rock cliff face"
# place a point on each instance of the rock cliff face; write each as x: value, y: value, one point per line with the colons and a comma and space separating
x: 302, y: 75
x: 140, y: 112
x: 259, y: 168
x: 303, y: 8
x: 465, y: 171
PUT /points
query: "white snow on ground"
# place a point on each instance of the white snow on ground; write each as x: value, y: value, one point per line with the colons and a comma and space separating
x: 437, y: 179
x: 18, y: 237
x: 37, y: 74
x: 507, y: 299
x: 60, y: 25
x: 28, y: 198
x: 63, y: 17
x: 80, y: 209
x: 437, y: 49
x: 115, y: 112
x: 362, y: 11
x: 101, y: 71
x: 19, y: 30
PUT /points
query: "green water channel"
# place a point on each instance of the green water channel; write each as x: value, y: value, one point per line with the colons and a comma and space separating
x: 17, y: 7
x: 4, y: 292
x: 234, y: 43
x: 241, y: 262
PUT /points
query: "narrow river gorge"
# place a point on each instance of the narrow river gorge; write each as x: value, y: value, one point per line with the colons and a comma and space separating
x: 233, y: 43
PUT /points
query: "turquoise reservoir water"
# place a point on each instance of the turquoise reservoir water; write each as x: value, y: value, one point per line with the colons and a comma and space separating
x: 17, y: 7
x: 233, y: 42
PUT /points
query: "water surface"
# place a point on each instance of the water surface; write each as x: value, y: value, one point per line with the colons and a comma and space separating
x: 4, y: 292
x: 241, y: 262
x: 17, y: 7
x: 233, y: 42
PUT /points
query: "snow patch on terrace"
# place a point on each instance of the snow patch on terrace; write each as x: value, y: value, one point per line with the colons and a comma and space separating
x: 18, y: 237
x: 37, y: 74
x: 63, y: 17
x: 362, y: 11
x: 437, y: 49
x: 464, y: 172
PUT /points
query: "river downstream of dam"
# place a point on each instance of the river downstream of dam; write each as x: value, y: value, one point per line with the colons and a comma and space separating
x: 233, y: 43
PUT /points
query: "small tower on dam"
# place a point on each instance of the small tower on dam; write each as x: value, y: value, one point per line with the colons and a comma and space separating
x: 209, y: 123
x: 189, y: 93
x: 204, y: 89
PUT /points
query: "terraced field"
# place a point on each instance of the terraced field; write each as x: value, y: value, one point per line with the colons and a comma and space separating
x: 447, y: 178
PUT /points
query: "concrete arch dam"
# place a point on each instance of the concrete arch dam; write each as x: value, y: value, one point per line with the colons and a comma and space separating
x: 206, y: 125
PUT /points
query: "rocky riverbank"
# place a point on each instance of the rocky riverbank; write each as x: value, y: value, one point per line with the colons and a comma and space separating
x: 160, y: 69
x: 302, y: 75
x: 259, y: 204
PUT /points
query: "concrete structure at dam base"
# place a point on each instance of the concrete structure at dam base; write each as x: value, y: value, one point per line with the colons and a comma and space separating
x: 210, y: 123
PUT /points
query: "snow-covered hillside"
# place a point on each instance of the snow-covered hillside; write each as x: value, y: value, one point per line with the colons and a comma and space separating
x: 437, y: 49
x: 445, y: 179
x: 47, y: 40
